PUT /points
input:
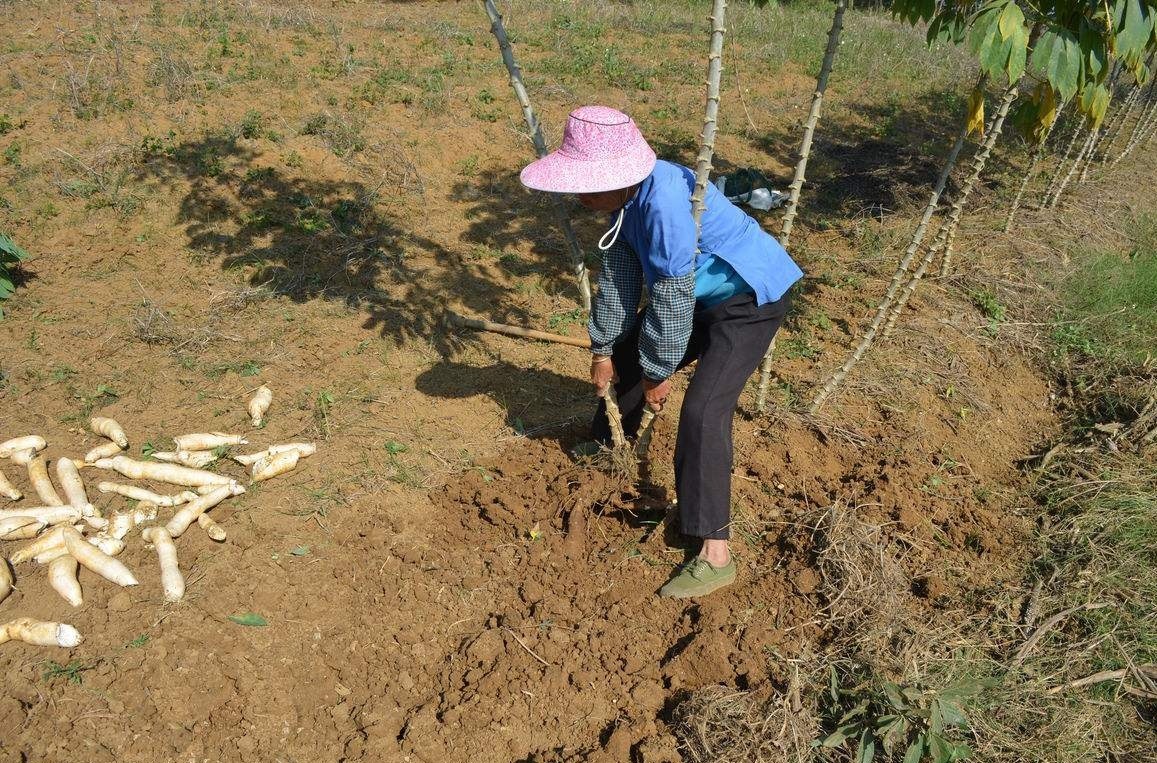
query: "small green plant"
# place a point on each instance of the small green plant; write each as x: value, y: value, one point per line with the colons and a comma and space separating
x: 871, y: 717
x: 402, y: 473
x: 562, y: 320
x: 10, y: 256
x: 252, y: 124
x: 12, y: 154
x: 70, y: 672
x: 138, y: 642
x: 990, y: 306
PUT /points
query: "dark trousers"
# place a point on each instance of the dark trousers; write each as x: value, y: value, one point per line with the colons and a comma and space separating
x: 728, y: 340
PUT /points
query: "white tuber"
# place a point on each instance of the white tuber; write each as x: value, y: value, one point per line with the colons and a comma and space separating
x: 8, y: 490
x: 188, y: 513
x: 172, y: 582
x: 97, y: 560
x: 123, y: 521
x: 6, y: 579
x: 28, y: 442
x: 38, y: 475
x: 46, y: 542
x: 271, y: 466
x: 259, y: 404
x: 235, y: 486
x: 148, y: 496
x: 40, y: 633
x: 212, y: 529
x: 50, y: 515
x: 194, y: 458
x: 62, y: 577
x: 304, y: 448
x: 23, y: 457
x: 171, y: 473
x: 208, y: 440
x: 69, y: 478
x: 110, y: 429
x: 20, y: 528
x: 107, y: 450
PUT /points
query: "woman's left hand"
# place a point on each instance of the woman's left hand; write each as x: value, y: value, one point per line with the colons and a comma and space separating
x: 655, y: 393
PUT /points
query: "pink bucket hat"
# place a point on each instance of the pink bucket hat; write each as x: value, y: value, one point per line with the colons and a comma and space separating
x: 602, y: 150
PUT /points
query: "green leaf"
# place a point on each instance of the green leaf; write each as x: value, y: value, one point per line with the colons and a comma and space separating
x: 299, y: 551
x: 1011, y: 20
x: 940, y: 748
x: 10, y: 248
x: 961, y: 752
x: 1017, y: 53
x: 866, y: 752
x: 915, y: 751
x: 895, y: 699
x: 935, y: 718
x: 834, y: 739
x: 952, y: 713
x: 856, y: 711
x: 1134, y: 28
x: 1064, y: 64
x: 249, y: 618
x: 894, y: 735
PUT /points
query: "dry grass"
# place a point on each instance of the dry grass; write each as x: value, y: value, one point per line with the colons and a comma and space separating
x: 721, y: 725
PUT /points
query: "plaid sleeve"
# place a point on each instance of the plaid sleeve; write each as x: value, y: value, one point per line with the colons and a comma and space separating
x: 667, y: 326
x: 617, y: 302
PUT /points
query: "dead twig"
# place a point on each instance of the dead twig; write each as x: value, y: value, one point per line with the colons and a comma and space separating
x: 1048, y: 625
x: 525, y: 647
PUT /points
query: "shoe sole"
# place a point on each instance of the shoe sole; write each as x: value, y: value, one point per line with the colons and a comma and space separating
x: 708, y: 588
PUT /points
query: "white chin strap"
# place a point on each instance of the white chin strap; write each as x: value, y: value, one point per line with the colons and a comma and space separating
x: 613, y: 232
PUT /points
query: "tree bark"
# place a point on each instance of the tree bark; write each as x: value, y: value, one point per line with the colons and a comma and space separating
x: 947, y: 232
x: 1073, y: 169
x: 1056, y: 176
x: 812, y: 120
x: 711, y: 112
x: 801, y: 174
x: 577, y: 259
x: 898, y: 277
x: 1037, y: 156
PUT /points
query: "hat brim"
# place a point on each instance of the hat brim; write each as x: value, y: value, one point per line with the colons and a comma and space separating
x: 558, y: 173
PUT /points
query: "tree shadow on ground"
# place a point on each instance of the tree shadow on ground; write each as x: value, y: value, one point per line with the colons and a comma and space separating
x: 537, y: 402
x: 873, y: 158
x: 309, y: 238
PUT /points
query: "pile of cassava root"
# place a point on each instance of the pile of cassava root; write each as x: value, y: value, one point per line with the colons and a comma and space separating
x: 64, y: 534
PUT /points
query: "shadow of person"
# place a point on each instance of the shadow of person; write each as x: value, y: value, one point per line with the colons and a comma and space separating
x: 538, y: 402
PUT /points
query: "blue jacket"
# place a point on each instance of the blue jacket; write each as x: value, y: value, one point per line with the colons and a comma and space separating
x: 657, y: 245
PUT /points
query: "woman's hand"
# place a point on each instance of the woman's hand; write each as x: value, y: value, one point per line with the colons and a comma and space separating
x: 655, y: 393
x: 602, y: 373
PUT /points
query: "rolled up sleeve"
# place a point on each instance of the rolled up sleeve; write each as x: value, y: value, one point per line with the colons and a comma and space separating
x: 667, y: 326
x: 616, y: 304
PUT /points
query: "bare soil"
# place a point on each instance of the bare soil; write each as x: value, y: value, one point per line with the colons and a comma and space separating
x: 441, y: 581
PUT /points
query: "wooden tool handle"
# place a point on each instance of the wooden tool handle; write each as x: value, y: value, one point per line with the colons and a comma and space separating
x: 454, y: 319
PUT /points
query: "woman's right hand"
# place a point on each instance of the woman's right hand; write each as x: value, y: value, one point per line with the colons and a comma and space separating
x: 602, y: 373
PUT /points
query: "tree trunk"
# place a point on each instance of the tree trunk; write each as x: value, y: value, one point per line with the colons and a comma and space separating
x: 1073, y: 169
x: 1119, y: 123
x: 711, y: 112
x: 578, y: 261
x: 1097, y: 135
x: 1056, y: 176
x: 1148, y: 108
x: 813, y: 119
x: 1037, y: 156
x: 898, y: 277
x: 801, y: 174
x: 947, y: 233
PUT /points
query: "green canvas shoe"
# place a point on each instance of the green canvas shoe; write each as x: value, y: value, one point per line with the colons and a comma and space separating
x: 698, y: 578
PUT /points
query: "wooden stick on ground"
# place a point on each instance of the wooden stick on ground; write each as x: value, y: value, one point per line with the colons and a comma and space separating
x: 461, y: 321
x: 1048, y: 625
